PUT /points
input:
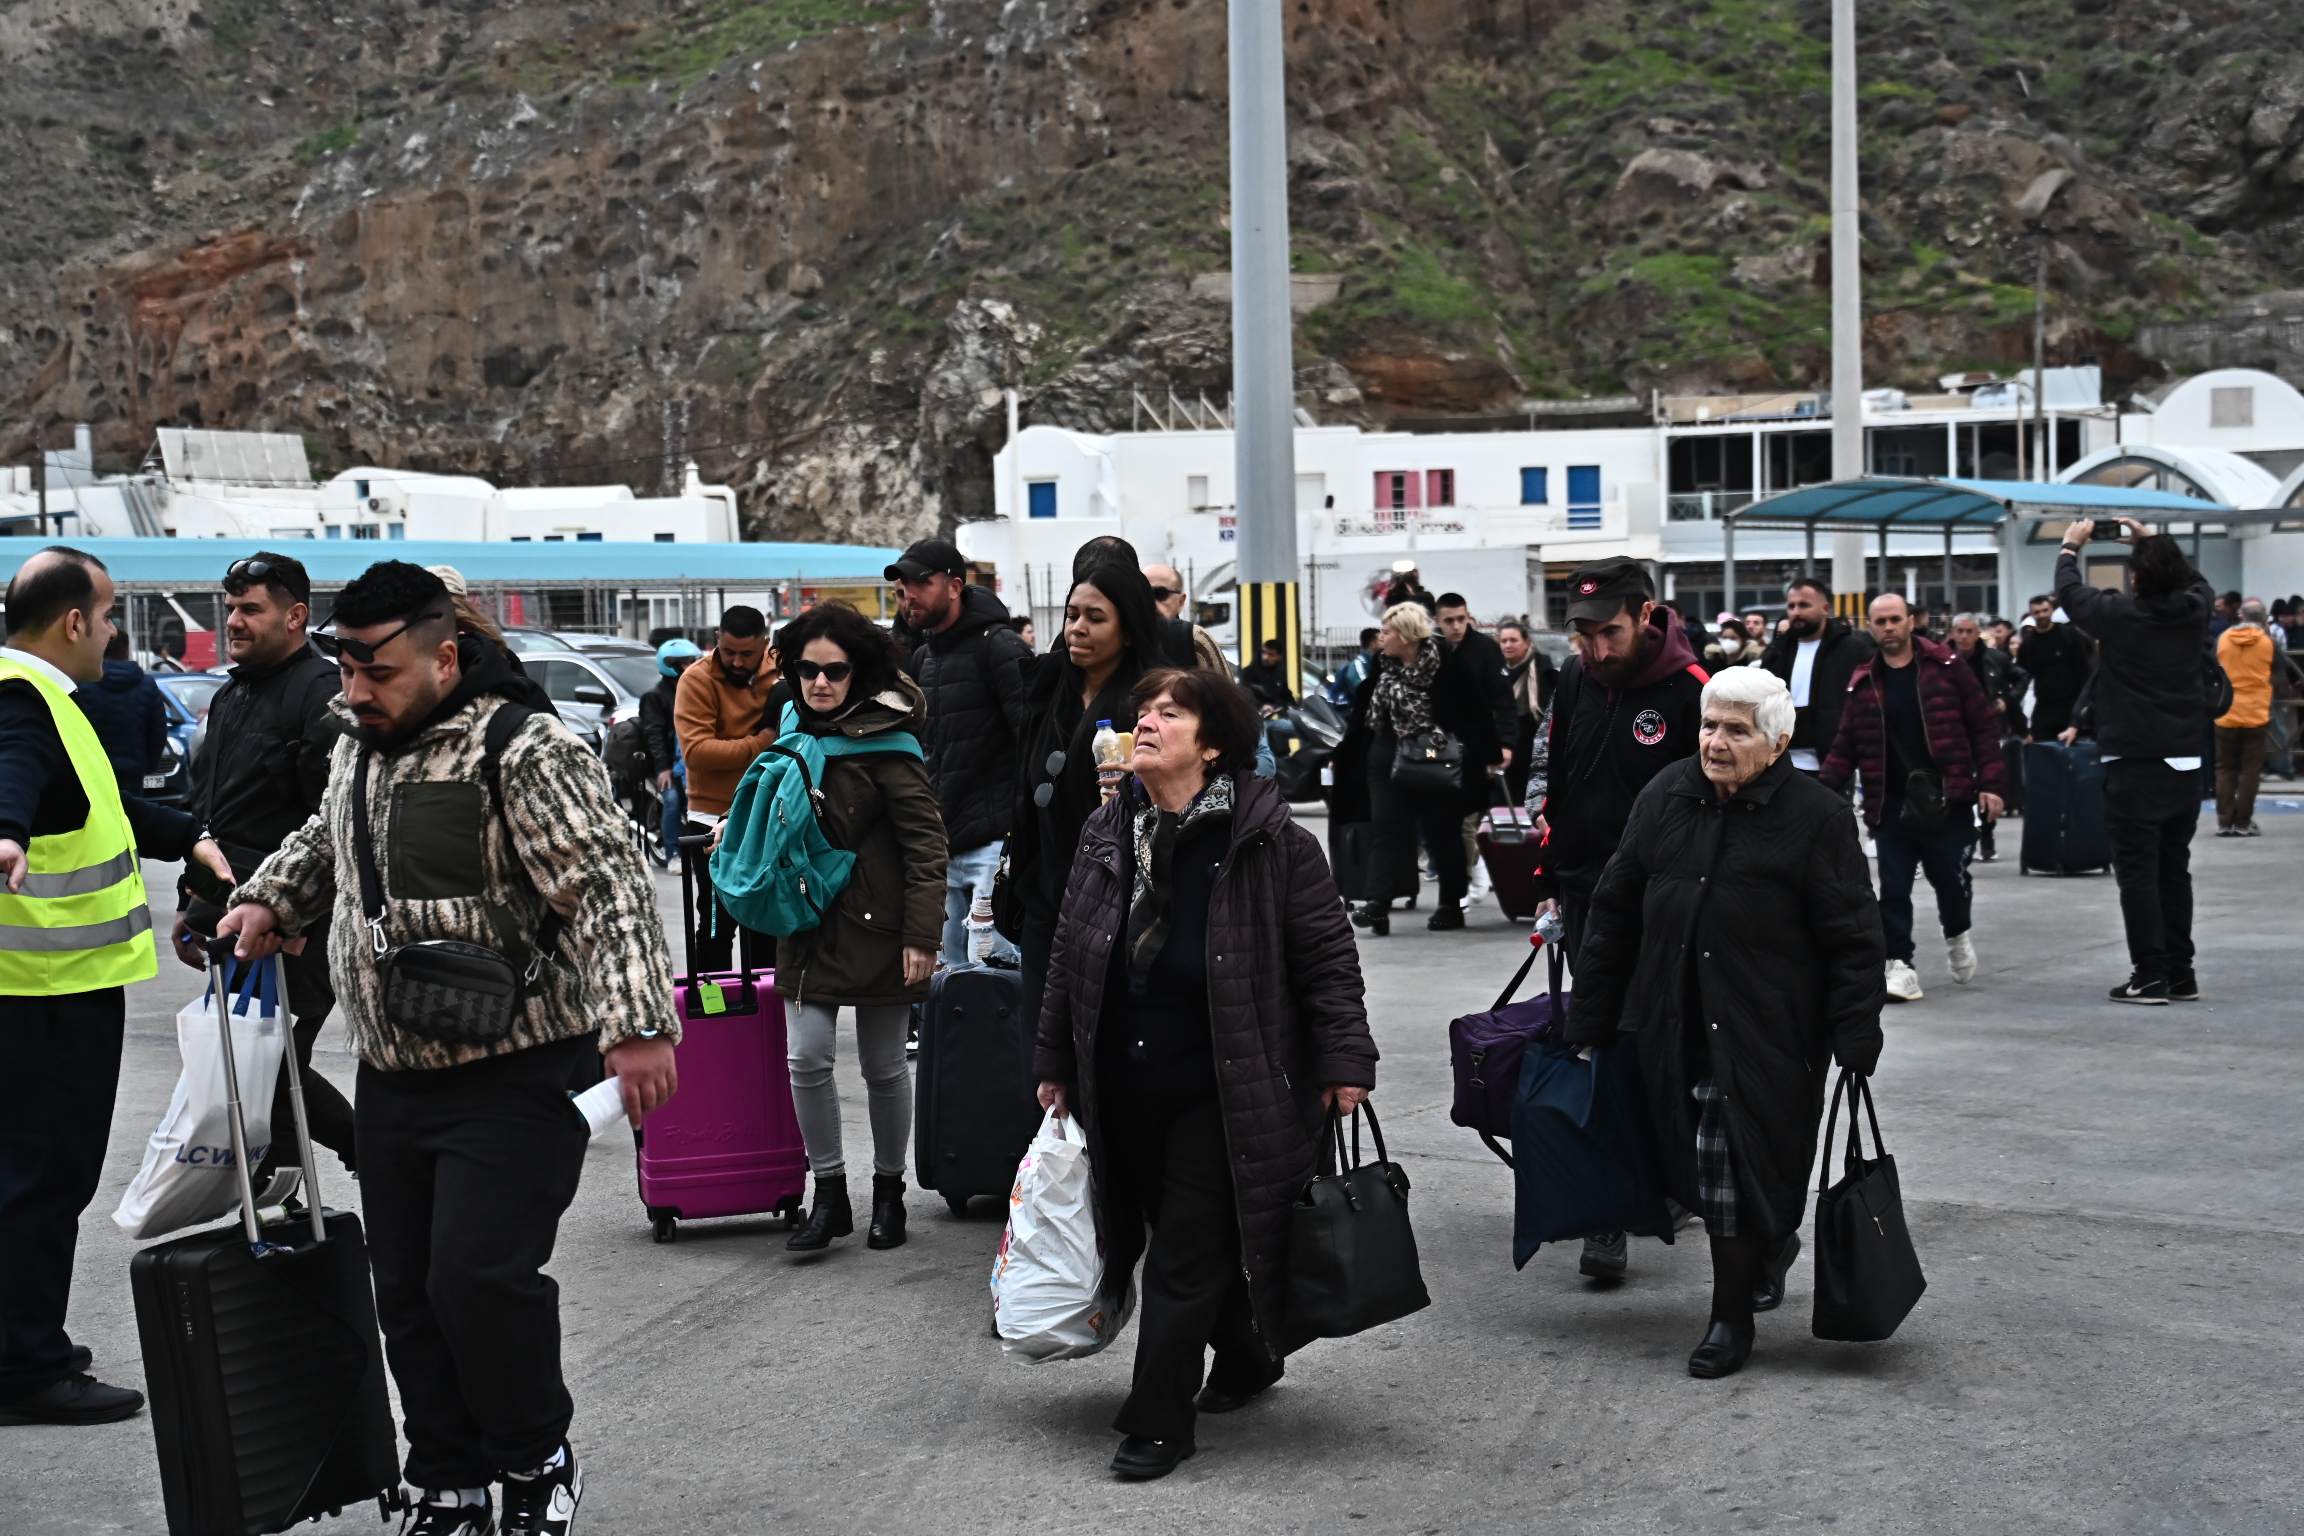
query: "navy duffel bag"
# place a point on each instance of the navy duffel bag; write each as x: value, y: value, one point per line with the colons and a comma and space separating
x: 1584, y: 1155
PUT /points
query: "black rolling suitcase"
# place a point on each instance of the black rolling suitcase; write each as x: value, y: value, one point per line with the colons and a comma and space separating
x: 2064, y: 831
x: 262, y: 1358
x: 976, y: 1103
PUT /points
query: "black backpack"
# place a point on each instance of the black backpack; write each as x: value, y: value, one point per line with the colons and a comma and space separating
x: 629, y: 765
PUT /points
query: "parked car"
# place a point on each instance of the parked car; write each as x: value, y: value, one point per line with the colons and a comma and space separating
x: 591, y: 690
x: 529, y: 642
x: 606, y: 645
x: 187, y: 695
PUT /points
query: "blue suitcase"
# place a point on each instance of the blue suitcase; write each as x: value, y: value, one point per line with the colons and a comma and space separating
x: 2064, y: 810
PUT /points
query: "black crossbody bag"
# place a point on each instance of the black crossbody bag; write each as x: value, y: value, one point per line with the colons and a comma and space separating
x: 445, y: 989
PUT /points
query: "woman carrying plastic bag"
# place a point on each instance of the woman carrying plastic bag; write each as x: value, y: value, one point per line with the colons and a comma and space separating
x: 187, y: 1176
x: 1048, y: 1298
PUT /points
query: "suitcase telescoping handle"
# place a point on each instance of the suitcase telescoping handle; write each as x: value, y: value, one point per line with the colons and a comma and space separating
x: 219, y: 955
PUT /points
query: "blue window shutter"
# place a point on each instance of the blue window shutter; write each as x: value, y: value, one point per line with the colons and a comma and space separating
x: 1534, y: 491
x: 1583, y: 495
x: 1043, y: 498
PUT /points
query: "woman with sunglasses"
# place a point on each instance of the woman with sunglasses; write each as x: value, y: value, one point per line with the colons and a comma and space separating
x: 876, y: 948
x: 1112, y: 637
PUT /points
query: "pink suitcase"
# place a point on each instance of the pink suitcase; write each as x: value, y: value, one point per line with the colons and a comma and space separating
x: 728, y: 1143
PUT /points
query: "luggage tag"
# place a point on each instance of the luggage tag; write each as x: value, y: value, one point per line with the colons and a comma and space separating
x: 708, y: 993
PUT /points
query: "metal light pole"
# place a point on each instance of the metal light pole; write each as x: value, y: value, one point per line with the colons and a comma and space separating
x: 1263, y: 345
x: 1847, y: 311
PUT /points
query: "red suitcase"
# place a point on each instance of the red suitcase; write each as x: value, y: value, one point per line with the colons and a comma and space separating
x: 1510, y: 849
x: 728, y: 1143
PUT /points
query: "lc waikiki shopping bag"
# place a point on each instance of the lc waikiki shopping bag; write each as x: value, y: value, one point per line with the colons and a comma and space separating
x: 1048, y: 1300
x: 188, y: 1177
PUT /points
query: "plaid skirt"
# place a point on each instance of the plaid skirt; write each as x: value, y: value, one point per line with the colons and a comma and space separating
x: 1715, y: 1169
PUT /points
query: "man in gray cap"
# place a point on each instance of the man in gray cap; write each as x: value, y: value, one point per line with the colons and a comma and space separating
x: 1626, y: 707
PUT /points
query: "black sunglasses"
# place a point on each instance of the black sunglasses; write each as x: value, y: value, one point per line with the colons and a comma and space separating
x: 830, y: 671
x: 1162, y: 594
x: 334, y: 646
x: 250, y: 569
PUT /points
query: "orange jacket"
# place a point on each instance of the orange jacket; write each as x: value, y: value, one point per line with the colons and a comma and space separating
x: 720, y: 729
x: 2245, y: 654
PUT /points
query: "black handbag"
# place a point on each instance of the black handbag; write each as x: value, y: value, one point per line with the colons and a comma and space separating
x: 1867, y: 1274
x: 445, y: 989
x: 1351, y: 1255
x: 1428, y: 762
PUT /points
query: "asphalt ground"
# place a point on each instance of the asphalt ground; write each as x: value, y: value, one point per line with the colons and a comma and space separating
x: 2109, y: 1202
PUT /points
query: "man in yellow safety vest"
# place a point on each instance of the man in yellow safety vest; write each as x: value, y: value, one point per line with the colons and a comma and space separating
x: 75, y: 929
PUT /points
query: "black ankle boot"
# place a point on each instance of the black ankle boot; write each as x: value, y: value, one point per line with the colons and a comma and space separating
x: 887, y: 1230
x: 831, y: 1218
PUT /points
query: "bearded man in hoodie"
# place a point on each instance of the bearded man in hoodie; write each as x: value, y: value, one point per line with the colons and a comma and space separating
x: 1627, y: 707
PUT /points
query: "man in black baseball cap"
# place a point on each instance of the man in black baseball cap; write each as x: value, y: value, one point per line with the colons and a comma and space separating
x: 1626, y: 707
x: 929, y: 557
x: 974, y: 670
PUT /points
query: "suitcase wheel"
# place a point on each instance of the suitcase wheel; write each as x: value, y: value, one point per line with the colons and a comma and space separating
x: 956, y: 1204
x: 794, y: 1211
x: 667, y: 1228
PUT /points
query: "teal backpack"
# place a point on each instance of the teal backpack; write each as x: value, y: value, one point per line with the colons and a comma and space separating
x: 775, y: 871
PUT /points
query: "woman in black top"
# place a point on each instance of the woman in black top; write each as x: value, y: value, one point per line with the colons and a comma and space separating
x: 1111, y: 638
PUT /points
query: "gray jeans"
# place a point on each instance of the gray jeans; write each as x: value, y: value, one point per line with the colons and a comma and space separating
x: 880, y: 1032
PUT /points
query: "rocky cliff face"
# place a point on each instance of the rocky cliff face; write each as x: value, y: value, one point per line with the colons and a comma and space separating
x: 809, y: 242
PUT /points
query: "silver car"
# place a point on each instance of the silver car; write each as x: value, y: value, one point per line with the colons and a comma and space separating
x: 591, y: 691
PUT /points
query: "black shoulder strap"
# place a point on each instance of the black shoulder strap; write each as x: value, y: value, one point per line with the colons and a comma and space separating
x: 502, y: 726
x: 364, y: 855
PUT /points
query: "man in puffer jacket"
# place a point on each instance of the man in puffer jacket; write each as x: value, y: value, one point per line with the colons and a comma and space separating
x: 469, y: 1151
x: 1919, y: 730
x: 972, y: 667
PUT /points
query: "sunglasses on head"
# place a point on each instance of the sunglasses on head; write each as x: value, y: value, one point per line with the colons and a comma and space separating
x: 830, y: 671
x: 334, y: 646
x: 250, y: 569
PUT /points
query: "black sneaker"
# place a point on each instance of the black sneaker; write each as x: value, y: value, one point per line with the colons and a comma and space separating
x: 545, y: 1503
x: 2184, y: 987
x: 2137, y: 990
x: 440, y: 1512
x: 1605, y: 1257
x: 78, y: 1399
x: 1445, y: 919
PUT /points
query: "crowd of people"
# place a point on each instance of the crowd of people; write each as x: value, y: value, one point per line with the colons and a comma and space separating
x: 1185, y: 949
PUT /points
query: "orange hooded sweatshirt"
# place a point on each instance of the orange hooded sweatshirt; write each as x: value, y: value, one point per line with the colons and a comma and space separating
x: 720, y: 729
x: 2245, y: 654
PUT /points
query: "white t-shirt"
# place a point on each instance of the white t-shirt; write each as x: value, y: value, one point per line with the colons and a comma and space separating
x: 1803, y: 671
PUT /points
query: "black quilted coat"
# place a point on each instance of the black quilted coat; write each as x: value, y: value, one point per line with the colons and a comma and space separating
x: 1757, y: 913
x: 1285, y: 1004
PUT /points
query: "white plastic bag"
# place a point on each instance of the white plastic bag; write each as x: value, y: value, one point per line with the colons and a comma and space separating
x: 187, y: 1177
x: 1048, y: 1298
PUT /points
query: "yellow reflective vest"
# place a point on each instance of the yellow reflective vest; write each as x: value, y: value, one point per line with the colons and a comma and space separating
x: 82, y: 921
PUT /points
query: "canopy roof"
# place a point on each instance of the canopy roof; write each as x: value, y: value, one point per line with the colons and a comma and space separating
x: 200, y: 563
x: 1881, y: 502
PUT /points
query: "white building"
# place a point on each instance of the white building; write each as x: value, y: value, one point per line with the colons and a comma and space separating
x: 259, y: 485
x: 1499, y: 515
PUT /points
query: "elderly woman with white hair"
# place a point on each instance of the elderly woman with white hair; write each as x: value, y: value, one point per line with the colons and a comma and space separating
x: 1735, y: 938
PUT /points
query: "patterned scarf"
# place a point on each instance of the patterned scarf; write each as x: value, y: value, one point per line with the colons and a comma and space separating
x: 1149, y: 907
x: 1403, y: 699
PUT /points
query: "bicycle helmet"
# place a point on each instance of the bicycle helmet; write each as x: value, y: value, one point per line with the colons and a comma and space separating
x: 674, y: 655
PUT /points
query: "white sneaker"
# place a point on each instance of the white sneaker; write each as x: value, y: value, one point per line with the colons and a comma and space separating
x: 1961, y: 949
x: 1903, y: 982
